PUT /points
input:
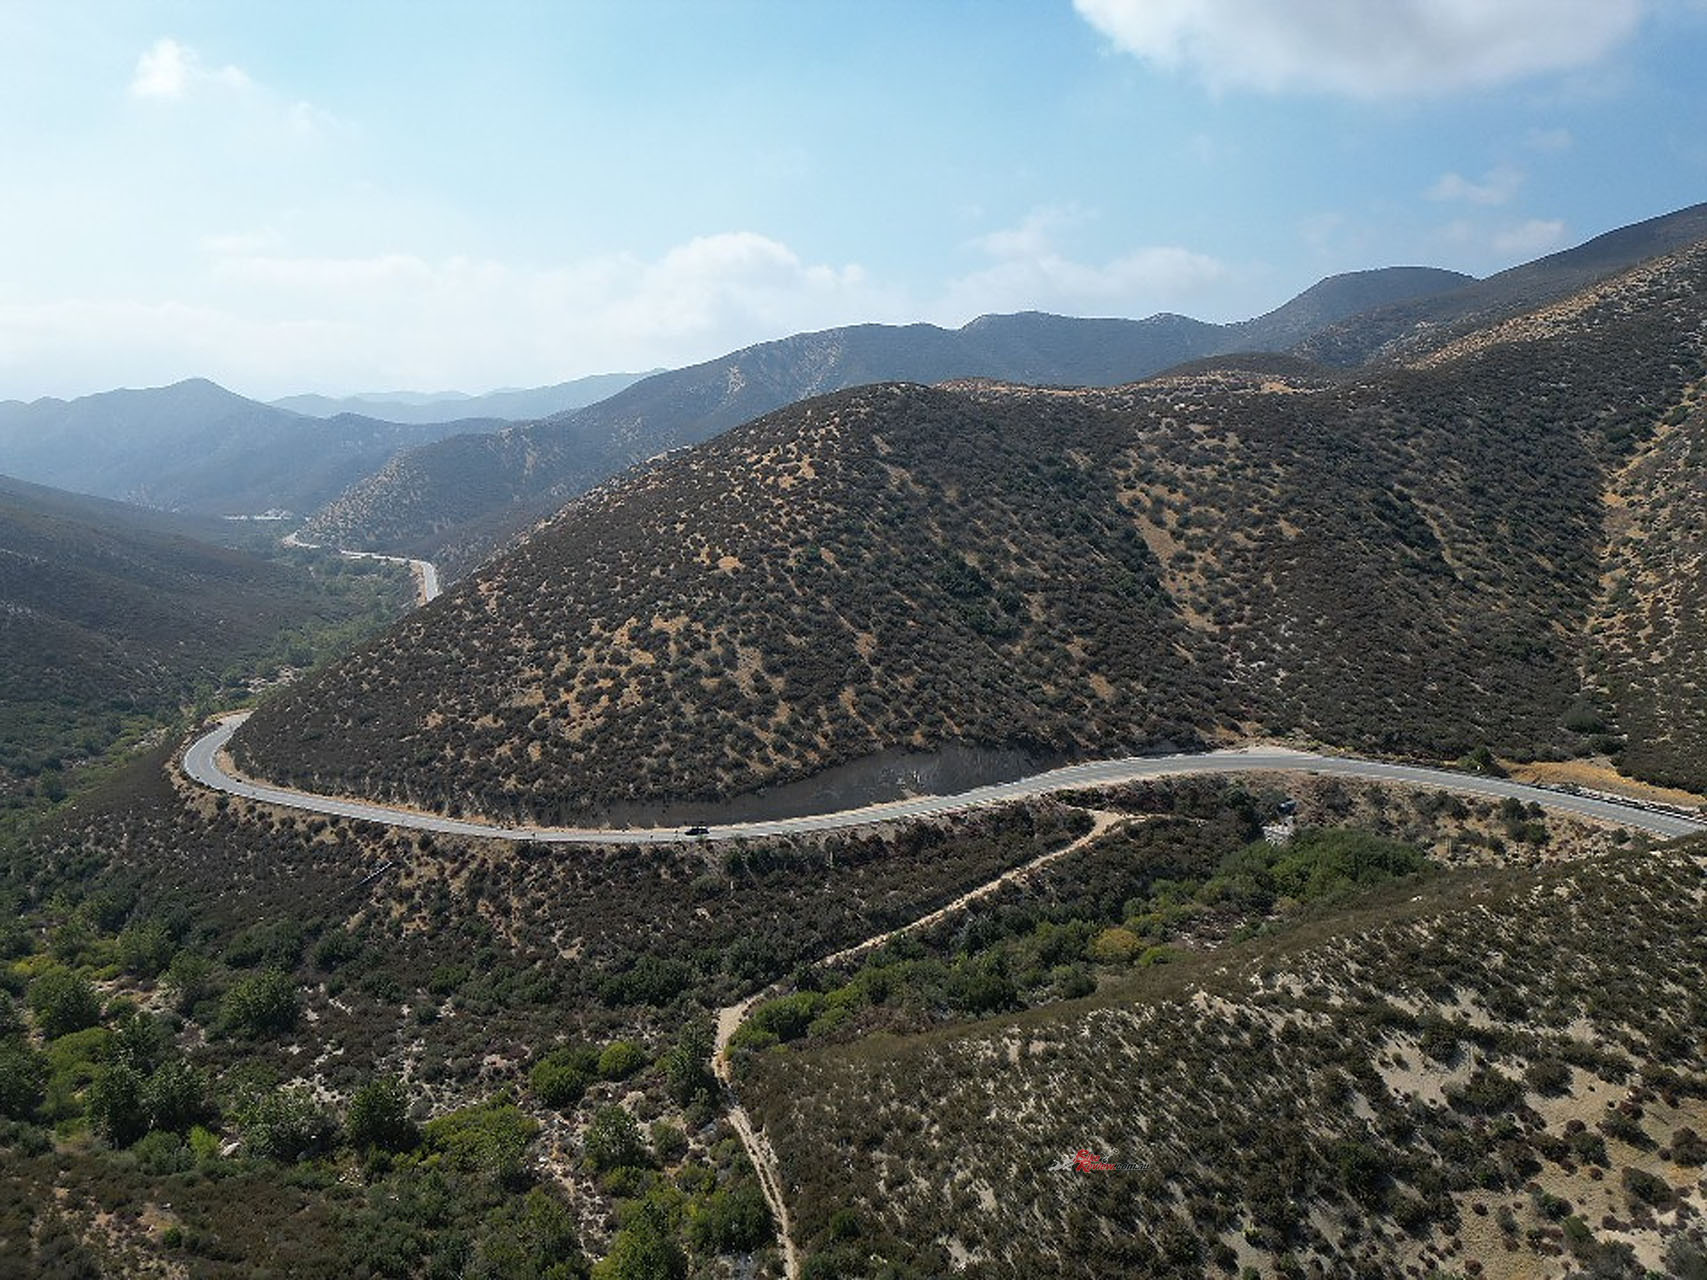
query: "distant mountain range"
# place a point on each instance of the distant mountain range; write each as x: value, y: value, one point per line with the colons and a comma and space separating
x: 196, y: 447
x: 513, y: 404
x: 458, y: 498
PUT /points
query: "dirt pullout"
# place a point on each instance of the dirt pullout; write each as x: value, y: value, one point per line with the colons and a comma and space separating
x: 1599, y: 775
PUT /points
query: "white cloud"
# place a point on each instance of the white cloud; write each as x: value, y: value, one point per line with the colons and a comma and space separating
x: 168, y: 69
x: 1030, y: 272
x: 1532, y: 238
x: 1497, y: 186
x: 267, y: 322
x: 1365, y: 49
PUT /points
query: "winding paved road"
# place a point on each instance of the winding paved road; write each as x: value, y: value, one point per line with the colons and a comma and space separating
x: 201, y: 763
x: 426, y: 572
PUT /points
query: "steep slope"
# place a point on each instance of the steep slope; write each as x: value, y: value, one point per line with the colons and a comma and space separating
x: 1479, y: 1076
x: 108, y: 611
x: 512, y: 405
x: 1650, y: 627
x: 1404, y: 562
x: 1405, y: 328
x: 197, y: 447
x: 458, y: 499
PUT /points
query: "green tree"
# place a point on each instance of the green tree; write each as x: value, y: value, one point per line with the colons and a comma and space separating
x: 687, y: 1066
x: 732, y: 1220
x: 190, y: 975
x: 489, y: 1138
x: 621, y: 1059
x: 534, y: 1239
x: 645, y: 1249
x: 175, y: 1096
x: 260, y: 1004
x: 23, y: 1079
x: 613, y: 1140
x: 286, y: 1125
x: 146, y: 949
x: 562, y: 1076
x: 63, y: 1002
x: 114, y: 1100
x: 379, y: 1117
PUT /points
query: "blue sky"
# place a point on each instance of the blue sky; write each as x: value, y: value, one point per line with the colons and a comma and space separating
x: 361, y: 196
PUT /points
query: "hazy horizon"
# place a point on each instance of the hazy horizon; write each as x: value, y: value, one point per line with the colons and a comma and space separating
x: 331, y: 201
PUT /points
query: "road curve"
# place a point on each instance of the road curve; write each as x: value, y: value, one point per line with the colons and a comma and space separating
x: 201, y: 764
x: 426, y: 572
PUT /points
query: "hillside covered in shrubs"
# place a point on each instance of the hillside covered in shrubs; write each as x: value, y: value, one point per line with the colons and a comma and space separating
x: 1409, y: 561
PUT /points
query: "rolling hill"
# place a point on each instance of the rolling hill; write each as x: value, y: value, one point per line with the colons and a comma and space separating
x: 1410, y: 560
x: 108, y: 612
x: 458, y: 499
x: 196, y: 447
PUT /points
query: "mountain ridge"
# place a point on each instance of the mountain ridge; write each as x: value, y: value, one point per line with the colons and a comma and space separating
x: 1054, y: 571
x: 196, y: 446
x: 459, y: 498
x: 513, y: 404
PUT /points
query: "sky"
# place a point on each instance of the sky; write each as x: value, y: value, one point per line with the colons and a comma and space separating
x: 367, y: 195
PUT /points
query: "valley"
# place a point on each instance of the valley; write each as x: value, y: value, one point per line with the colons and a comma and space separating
x: 990, y: 819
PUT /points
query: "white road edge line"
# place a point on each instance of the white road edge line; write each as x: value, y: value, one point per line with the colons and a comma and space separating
x: 201, y: 765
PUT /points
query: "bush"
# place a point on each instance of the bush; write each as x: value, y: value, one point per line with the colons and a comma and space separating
x: 191, y: 977
x: 1114, y: 946
x: 1549, y: 1076
x: 1645, y: 1188
x: 489, y: 1138
x: 379, y: 1117
x: 534, y: 1237
x: 732, y: 1220
x: 613, y: 1141
x: 787, y: 1017
x: 23, y: 1079
x: 115, y: 1104
x: 669, y: 1143
x: 645, y: 1249
x: 63, y: 1002
x: 260, y: 1004
x: 562, y: 1076
x: 175, y: 1095
x: 287, y: 1125
x: 146, y: 949
x: 620, y: 1060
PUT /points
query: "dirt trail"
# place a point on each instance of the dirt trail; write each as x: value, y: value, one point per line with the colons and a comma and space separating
x: 730, y: 1018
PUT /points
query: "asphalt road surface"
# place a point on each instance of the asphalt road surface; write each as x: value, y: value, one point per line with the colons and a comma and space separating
x: 201, y: 763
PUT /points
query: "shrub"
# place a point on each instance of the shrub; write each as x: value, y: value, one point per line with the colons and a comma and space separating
x: 286, y: 1125
x: 379, y: 1117
x: 1549, y: 1076
x: 190, y: 976
x: 645, y: 1249
x: 621, y: 1059
x: 669, y: 1143
x: 146, y: 949
x: 63, y: 1002
x: 1114, y: 946
x: 175, y: 1095
x: 260, y: 1004
x: 612, y: 1141
x: 114, y: 1100
x: 23, y: 1079
x: 1645, y: 1188
x: 562, y: 1076
x: 488, y: 1138
x: 732, y: 1220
